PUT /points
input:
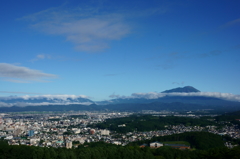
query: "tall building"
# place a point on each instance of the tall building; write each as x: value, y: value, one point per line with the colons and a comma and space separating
x: 68, y: 144
x: 31, y: 133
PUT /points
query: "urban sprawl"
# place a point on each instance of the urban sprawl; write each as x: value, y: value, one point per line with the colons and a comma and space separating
x: 71, y: 129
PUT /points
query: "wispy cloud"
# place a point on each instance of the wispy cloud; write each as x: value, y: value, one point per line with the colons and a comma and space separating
x: 41, y: 57
x: 20, y: 74
x: 236, y: 46
x: 170, y: 60
x: 54, y: 57
x: 166, y: 65
x: 211, y: 53
x: 44, y: 56
x: 18, y: 92
x: 230, y: 24
x: 88, y: 28
x: 178, y: 83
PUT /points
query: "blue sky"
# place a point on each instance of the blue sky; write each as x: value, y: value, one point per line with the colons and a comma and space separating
x: 103, y: 48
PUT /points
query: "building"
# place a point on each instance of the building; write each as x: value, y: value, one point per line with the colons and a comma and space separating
x: 92, y: 131
x: 68, y: 144
x: 123, y: 125
x: 34, y: 141
x: 105, y: 132
x: 156, y: 144
x: 31, y: 133
x: 76, y: 130
x: 143, y: 145
x: 17, y: 132
x: 116, y: 142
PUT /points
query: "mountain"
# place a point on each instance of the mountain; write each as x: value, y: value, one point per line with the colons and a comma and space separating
x: 132, y: 107
x: 186, y: 89
x: 184, y: 96
x: 178, y: 99
x: 200, y: 100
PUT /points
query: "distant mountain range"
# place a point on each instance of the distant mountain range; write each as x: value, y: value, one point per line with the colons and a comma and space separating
x: 178, y: 99
x: 186, y: 94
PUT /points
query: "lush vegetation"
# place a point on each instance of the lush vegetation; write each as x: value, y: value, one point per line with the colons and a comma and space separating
x: 229, y: 116
x: 108, y: 151
x: 197, y: 140
x: 233, y: 117
x: 148, y: 123
x: 231, y: 140
x: 177, y: 142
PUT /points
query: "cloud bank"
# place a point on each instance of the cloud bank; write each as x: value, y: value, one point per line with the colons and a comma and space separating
x: 22, y: 101
x: 154, y: 95
x: 48, y: 97
x: 25, y: 104
x: 20, y: 74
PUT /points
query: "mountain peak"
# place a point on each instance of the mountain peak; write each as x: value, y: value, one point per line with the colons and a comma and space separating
x: 186, y: 89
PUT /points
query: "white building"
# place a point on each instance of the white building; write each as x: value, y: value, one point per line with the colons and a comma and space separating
x: 156, y: 144
x: 34, y: 141
x: 76, y: 130
x: 68, y: 144
x: 116, y: 142
x: 105, y: 132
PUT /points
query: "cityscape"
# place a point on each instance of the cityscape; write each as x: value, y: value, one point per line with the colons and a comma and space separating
x: 71, y: 129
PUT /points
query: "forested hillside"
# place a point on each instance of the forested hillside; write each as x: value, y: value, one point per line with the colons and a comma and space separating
x: 108, y: 151
x: 148, y: 123
x: 198, y: 140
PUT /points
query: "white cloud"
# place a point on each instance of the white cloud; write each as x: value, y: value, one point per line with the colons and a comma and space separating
x: 88, y: 29
x: 27, y: 100
x: 41, y: 57
x: 24, y: 104
x: 20, y: 74
x: 48, y: 97
x: 154, y: 95
x: 44, y: 56
x: 114, y: 95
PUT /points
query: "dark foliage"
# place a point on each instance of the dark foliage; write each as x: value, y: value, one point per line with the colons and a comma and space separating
x: 148, y: 123
x: 108, y: 151
x: 198, y: 140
